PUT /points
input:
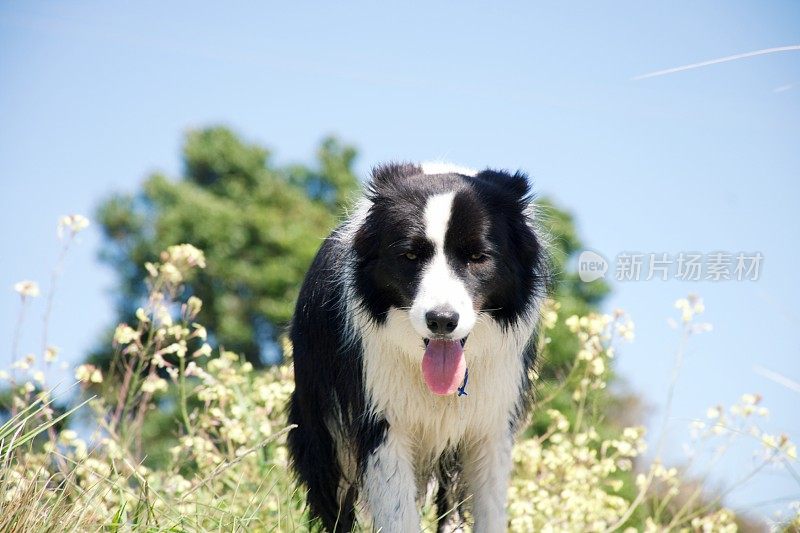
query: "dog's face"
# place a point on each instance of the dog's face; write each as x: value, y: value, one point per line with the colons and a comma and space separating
x: 446, y: 248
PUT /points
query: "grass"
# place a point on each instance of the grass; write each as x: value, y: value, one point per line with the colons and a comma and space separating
x: 179, y: 437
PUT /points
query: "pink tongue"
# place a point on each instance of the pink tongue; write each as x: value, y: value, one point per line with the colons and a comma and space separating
x: 443, y: 366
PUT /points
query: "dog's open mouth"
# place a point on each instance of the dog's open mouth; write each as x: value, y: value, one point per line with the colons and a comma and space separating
x: 443, y: 365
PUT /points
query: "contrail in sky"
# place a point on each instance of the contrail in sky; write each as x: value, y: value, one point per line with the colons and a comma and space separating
x: 765, y: 51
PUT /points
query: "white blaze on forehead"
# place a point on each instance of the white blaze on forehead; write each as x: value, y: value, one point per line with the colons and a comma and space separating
x: 437, y: 217
x: 439, y: 286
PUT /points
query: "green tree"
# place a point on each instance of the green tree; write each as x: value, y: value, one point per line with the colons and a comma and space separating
x: 259, y: 225
x: 573, y: 297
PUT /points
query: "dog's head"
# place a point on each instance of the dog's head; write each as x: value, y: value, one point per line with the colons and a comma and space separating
x: 446, y: 245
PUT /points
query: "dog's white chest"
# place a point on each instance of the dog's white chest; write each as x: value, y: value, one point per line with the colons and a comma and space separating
x: 396, y: 389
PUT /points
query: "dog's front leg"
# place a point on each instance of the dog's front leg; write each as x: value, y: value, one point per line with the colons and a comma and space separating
x: 487, y: 470
x: 390, y: 486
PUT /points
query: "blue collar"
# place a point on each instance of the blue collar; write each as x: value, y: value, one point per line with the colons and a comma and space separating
x: 462, y: 390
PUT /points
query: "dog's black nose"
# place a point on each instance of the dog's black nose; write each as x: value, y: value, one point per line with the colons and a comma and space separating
x: 441, y: 320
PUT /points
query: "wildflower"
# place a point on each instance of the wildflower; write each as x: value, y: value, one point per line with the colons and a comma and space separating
x: 179, y: 261
x: 50, y: 354
x: 199, y: 332
x: 690, y: 306
x: 751, y: 399
x: 631, y: 433
x: 27, y: 288
x: 573, y: 323
x: 790, y: 450
x: 67, y: 436
x: 204, y: 350
x: 598, y: 366
x: 22, y: 364
x: 193, y: 306
x: 178, y: 348
x: 74, y: 223
x: 626, y: 331
x: 153, y: 384
x: 124, y: 334
x: 177, y: 484
x: 88, y: 374
x: 151, y: 269
x: 141, y: 316
x: 163, y: 316
x: 38, y: 376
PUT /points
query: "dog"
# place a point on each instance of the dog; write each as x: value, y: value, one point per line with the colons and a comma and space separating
x: 414, y: 346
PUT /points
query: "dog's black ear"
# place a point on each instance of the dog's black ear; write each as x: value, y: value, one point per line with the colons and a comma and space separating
x: 389, y: 175
x: 516, y: 183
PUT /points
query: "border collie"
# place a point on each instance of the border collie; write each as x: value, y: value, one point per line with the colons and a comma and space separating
x: 413, y: 347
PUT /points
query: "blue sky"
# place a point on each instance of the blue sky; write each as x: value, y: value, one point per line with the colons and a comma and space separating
x: 93, y: 96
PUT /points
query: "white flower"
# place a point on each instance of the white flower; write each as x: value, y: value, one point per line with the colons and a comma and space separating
x: 67, y: 436
x: 153, y: 383
x: 50, y: 354
x: 598, y: 366
x: 27, y: 288
x: 88, y: 374
x: 193, y: 306
x: 74, y: 223
x: 141, y: 316
x: 179, y: 261
x: 204, y: 350
x: 751, y: 399
x: 124, y: 334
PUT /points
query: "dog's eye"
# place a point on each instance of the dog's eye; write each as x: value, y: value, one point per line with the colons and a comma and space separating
x: 478, y: 257
x: 411, y: 256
